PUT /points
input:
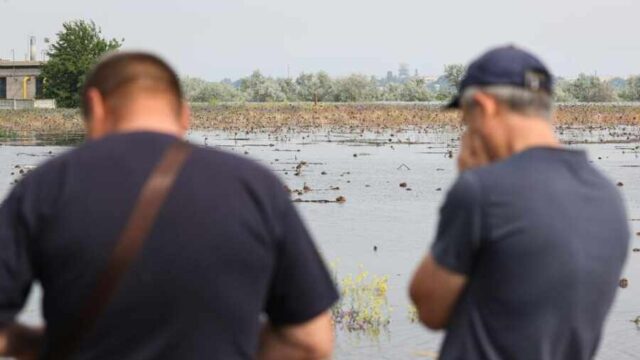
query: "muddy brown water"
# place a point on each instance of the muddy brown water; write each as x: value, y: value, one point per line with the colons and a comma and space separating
x: 368, y: 168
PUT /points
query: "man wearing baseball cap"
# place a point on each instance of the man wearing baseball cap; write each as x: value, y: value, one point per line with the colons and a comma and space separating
x: 532, y: 238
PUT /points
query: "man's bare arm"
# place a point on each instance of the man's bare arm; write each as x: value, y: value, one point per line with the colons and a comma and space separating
x: 435, y: 292
x: 21, y: 341
x: 311, y: 340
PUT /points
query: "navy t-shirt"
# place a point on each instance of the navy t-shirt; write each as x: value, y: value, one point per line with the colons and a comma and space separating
x: 542, y: 238
x: 228, y: 246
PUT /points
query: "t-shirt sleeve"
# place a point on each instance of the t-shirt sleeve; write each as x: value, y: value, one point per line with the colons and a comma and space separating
x: 459, y: 231
x: 16, y: 275
x: 301, y: 286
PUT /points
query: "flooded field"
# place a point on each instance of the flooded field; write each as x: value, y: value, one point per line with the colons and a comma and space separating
x: 371, y: 200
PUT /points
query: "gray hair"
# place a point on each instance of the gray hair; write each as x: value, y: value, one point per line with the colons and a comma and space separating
x: 518, y: 100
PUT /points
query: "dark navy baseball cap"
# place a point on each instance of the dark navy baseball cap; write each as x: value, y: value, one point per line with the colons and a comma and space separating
x: 506, y: 66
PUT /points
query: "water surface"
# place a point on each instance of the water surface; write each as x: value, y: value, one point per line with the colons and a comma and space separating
x: 368, y: 168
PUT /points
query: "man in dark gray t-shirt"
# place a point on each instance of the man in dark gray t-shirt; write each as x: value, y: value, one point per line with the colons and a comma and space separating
x: 532, y: 238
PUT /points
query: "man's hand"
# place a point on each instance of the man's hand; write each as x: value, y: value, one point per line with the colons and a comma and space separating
x: 21, y: 342
x: 312, y: 340
x: 472, y: 152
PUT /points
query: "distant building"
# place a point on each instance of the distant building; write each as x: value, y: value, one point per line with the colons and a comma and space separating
x: 20, y: 80
x: 403, y: 71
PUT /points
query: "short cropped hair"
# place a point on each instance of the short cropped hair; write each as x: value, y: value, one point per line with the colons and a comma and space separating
x: 518, y: 100
x: 118, y: 73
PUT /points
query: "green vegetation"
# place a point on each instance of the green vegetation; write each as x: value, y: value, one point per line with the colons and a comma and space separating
x: 7, y: 134
x: 320, y: 87
x: 587, y: 88
x: 454, y: 74
x: 631, y: 91
x: 363, y: 304
x: 77, y: 48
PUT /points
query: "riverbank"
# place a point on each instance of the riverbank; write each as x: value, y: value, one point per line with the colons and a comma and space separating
x: 282, y: 116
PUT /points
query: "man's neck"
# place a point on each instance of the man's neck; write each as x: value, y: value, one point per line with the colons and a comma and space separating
x: 148, y: 125
x: 527, y: 132
x: 143, y: 118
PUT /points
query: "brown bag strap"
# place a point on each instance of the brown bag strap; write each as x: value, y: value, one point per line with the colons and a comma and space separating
x: 140, y: 223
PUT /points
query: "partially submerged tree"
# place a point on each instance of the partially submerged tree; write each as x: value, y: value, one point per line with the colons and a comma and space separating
x: 589, y: 88
x: 79, y: 45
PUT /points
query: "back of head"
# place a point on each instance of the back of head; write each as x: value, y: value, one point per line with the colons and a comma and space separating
x: 515, y: 78
x: 122, y: 77
x: 517, y: 100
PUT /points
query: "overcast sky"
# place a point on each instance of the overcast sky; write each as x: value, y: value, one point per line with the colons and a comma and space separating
x: 216, y: 39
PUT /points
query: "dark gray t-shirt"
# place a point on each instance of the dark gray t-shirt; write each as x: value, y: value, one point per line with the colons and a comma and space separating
x: 542, y: 238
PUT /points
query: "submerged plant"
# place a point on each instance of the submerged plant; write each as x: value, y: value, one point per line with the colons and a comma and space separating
x: 363, y: 305
x: 412, y: 314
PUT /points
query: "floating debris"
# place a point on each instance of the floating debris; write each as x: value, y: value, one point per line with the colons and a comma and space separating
x: 624, y: 283
x: 338, y: 200
x: 20, y: 171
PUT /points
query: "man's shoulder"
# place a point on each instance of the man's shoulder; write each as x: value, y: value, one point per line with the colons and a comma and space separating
x: 206, y: 159
x: 232, y: 164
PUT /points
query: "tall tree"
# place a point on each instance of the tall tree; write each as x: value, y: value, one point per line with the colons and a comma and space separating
x: 356, y: 88
x: 258, y: 88
x: 314, y: 87
x: 631, y: 91
x: 454, y: 74
x: 78, y: 47
x: 589, y: 88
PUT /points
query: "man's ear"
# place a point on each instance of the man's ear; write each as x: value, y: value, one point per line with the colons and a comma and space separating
x: 96, y: 121
x: 486, y: 104
x: 185, y: 116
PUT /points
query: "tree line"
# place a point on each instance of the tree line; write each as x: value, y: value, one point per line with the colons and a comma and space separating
x: 320, y: 87
x: 81, y: 43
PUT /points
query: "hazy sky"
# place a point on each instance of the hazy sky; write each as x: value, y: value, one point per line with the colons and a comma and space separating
x: 217, y: 39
